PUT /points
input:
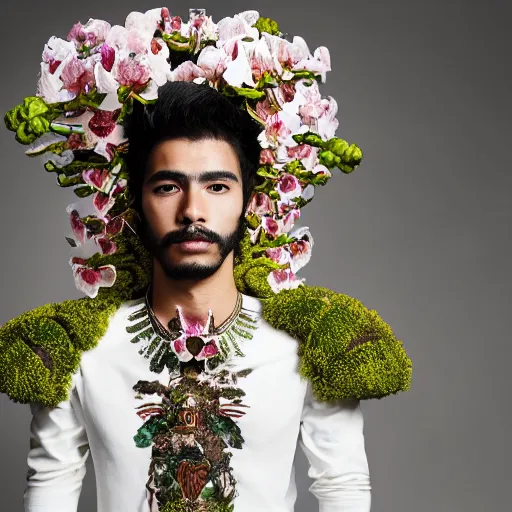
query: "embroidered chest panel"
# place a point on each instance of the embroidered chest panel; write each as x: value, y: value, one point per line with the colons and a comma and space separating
x: 191, y: 423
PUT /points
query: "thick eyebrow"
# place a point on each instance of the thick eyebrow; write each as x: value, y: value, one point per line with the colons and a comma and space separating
x: 181, y: 177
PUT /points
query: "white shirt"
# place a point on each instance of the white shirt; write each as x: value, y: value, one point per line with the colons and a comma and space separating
x: 100, y: 419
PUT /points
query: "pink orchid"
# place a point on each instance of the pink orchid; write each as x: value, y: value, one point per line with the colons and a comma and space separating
x: 133, y: 72
x: 288, y: 187
x: 260, y: 204
x: 56, y: 55
x: 108, y: 56
x: 89, y: 280
x: 285, y: 52
x: 267, y: 157
x: 300, y: 152
x: 170, y: 23
x: 179, y: 346
x: 102, y: 202
x: 144, y: 24
x: 285, y: 93
x: 213, y: 62
x: 107, y: 245
x: 89, y: 35
x: 262, y: 61
x: 300, y: 250
x: 77, y: 226
x: 264, y: 109
x: 78, y: 75
x: 238, y: 27
x: 194, y: 327
x: 101, y: 132
x: 270, y: 225
x: 115, y: 225
x: 96, y: 178
x: 209, y: 350
x: 56, y: 51
x: 276, y: 131
x: 208, y: 29
x: 278, y: 254
x: 187, y: 72
x: 319, y: 63
x: 327, y: 124
x: 289, y: 220
x: 238, y: 71
x: 283, y: 279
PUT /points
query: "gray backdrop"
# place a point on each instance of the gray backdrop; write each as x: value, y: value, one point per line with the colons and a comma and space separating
x: 419, y: 232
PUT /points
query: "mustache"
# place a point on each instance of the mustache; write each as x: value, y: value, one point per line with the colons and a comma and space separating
x: 190, y: 233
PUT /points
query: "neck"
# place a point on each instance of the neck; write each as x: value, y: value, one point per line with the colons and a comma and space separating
x: 217, y: 292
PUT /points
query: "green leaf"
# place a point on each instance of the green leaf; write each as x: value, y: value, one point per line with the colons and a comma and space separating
x: 144, y: 436
x: 247, y: 92
x: 267, y: 172
x: 84, y: 191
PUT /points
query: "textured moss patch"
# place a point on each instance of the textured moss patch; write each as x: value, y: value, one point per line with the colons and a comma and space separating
x: 346, y: 350
x: 41, y: 349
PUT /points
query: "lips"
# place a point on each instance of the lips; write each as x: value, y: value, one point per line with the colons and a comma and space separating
x: 194, y: 246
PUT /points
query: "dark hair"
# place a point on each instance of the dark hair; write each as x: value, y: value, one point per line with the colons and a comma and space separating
x: 195, y: 112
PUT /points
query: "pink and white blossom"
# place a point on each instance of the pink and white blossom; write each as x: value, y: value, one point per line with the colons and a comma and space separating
x: 238, y: 71
x: 319, y: 63
x: 288, y: 187
x: 271, y: 226
x: 93, y: 33
x: 238, y: 27
x: 213, y: 62
x: 283, y: 279
x: 77, y: 226
x: 97, y: 178
x: 289, y: 220
x: 187, y: 71
x: 89, y: 280
x: 267, y: 157
x: 300, y: 250
x: 278, y: 254
x: 56, y: 55
x: 260, y: 204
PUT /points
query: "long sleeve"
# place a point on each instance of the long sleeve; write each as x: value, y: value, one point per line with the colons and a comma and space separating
x: 331, y: 436
x: 56, y: 460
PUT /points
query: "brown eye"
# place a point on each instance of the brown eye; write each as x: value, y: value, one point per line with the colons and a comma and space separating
x: 219, y: 187
x: 164, y: 188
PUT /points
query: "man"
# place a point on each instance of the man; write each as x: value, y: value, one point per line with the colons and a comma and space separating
x: 192, y: 201
x: 198, y: 360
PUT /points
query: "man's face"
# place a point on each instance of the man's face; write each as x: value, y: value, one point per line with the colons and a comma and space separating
x: 192, y: 203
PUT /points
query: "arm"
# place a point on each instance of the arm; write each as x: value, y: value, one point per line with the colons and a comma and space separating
x: 56, y: 460
x: 331, y: 436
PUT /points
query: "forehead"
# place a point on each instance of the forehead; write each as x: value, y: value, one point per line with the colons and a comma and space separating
x: 193, y: 156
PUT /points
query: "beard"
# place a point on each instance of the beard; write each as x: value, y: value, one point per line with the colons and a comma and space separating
x: 192, y: 271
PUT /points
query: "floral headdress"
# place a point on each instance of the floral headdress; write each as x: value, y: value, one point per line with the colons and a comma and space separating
x: 87, y: 87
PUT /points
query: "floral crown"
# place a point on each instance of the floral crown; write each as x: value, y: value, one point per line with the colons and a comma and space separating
x: 87, y: 87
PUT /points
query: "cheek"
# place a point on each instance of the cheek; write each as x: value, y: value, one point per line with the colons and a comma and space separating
x: 228, y: 212
x: 158, y: 214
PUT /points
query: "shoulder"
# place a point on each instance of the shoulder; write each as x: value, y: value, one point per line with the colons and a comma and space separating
x: 346, y: 349
x: 41, y: 348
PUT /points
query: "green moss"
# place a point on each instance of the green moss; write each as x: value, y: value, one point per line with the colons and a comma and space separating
x: 59, y: 331
x: 346, y: 350
x: 267, y: 25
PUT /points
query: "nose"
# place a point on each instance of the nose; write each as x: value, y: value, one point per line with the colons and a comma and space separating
x: 192, y: 209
